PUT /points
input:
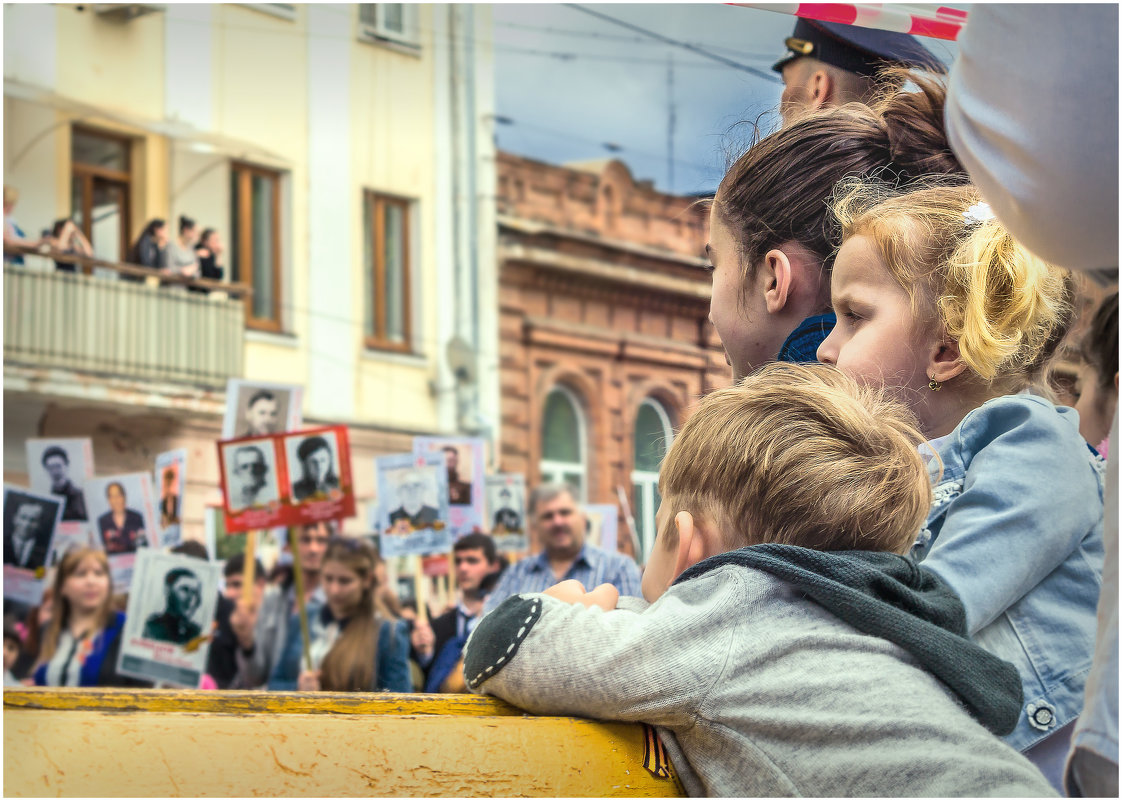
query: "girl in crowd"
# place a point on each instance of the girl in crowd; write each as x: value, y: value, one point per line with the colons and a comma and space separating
x: 771, y: 237
x: 936, y: 301
x: 359, y: 650
x: 80, y: 645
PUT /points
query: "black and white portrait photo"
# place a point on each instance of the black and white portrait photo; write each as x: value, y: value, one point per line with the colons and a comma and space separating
x: 182, y: 599
x: 29, y: 524
x: 255, y: 409
x: 505, y: 503
x: 413, y: 499
x: 61, y: 467
x: 416, y: 503
x: 251, y: 474
x: 313, y: 465
x: 172, y: 602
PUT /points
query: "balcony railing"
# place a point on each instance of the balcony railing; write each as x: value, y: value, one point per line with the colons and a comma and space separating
x: 121, y: 320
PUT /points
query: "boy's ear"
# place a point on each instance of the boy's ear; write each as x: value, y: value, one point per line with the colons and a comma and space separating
x: 778, y: 279
x: 945, y: 362
x: 691, y: 543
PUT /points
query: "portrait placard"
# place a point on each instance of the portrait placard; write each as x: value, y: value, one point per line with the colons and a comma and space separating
x: 30, y: 523
x: 251, y: 474
x: 170, y: 480
x: 506, y: 511
x: 169, y: 619
x: 318, y: 464
x: 464, y: 459
x: 413, y: 500
x: 62, y: 467
x: 124, y: 514
x: 259, y: 408
x: 286, y: 479
x: 603, y: 525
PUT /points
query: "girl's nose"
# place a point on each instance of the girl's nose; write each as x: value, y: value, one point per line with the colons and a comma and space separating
x: 827, y: 353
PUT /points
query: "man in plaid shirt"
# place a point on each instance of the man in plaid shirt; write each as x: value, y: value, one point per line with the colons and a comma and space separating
x: 561, y: 526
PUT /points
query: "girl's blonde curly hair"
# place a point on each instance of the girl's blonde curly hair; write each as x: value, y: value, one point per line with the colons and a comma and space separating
x: 1007, y: 309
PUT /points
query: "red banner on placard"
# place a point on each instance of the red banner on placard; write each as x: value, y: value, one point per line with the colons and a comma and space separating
x: 288, y: 479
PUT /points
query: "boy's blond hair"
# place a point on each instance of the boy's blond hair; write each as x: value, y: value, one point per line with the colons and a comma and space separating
x: 1007, y: 309
x: 800, y: 455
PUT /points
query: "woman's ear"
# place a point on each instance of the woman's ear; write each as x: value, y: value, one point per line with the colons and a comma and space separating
x: 777, y: 279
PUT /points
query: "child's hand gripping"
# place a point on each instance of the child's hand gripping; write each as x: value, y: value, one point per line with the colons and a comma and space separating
x: 572, y: 591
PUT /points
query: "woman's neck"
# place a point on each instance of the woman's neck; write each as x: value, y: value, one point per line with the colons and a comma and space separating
x: 82, y: 622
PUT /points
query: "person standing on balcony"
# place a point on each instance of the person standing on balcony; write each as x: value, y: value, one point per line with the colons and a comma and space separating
x: 207, y: 250
x: 150, y: 248
x: 66, y: 237
x: 181, y: 257
x: 13, y: 235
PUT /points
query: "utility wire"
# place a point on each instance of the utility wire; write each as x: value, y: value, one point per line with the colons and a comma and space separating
x: 728, y: 62
x: 640, y: 40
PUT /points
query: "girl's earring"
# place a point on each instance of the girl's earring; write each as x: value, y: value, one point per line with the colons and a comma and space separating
x: 934, y: 385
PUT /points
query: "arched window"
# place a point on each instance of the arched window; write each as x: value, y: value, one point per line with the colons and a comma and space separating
x: 563, y: 441
x: 653, y: 434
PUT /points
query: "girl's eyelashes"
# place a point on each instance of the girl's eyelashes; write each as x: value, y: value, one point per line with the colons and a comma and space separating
x: 708, y: 267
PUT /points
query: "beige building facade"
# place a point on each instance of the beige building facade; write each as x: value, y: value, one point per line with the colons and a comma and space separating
x: 343, y: 153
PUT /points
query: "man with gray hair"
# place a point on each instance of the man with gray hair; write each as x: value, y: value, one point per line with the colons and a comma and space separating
x: 559, y: 525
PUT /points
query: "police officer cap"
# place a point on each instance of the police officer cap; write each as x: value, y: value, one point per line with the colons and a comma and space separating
x: 855, y: 49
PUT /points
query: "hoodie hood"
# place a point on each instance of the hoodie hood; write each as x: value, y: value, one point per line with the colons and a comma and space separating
x: 890, y: 596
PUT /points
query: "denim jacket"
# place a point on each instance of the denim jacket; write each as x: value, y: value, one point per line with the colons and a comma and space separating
x: 1016, y: 528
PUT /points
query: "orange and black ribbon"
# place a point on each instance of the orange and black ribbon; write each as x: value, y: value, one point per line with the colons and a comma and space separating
x: 654, y: 755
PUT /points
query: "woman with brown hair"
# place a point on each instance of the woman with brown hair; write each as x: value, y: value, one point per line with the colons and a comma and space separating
x: 355, y: 648
x: 83, y: 638
x: 772, y: 238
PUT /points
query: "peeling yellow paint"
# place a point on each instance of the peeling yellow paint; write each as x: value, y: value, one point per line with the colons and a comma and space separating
x: 81, y: 742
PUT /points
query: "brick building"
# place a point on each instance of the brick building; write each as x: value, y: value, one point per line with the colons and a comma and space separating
x: 604, y: 338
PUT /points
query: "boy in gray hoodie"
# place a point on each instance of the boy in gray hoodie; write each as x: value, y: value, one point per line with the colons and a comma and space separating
x: 785, y: 645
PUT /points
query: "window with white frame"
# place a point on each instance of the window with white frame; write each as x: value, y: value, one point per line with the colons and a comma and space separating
x: 394, y: 22
x: 653, y: 434
x: 563, y: 440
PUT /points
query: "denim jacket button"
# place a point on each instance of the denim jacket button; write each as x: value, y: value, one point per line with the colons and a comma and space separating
x: 1041, y: 716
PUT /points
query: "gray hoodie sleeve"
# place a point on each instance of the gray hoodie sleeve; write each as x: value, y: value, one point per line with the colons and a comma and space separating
x: 550, y: 657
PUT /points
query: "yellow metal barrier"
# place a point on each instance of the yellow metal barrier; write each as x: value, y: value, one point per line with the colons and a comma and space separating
x: 108, y: 742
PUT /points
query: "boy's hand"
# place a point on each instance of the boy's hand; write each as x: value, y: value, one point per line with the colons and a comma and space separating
x: 572, y: 592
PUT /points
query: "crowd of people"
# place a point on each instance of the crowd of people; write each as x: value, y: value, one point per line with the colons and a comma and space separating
x: 879, y: 563
x: 193, y: 254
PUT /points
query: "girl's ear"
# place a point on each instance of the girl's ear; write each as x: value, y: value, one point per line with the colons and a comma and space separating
x: 945, y: 362
x: 691, y: 543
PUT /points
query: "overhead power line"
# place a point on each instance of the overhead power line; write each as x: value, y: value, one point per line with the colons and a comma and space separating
x: 728, y: 62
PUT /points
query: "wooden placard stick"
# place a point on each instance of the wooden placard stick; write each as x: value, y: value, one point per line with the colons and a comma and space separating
x: 249, y: 572
x: 301, y: 606
x: 451, y: 575
x: 420, y: 582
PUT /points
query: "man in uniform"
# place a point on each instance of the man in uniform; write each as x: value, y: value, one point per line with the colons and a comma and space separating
x: 830, y: 63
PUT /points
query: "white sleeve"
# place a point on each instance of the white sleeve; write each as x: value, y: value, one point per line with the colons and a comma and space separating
x: 1032, y: 113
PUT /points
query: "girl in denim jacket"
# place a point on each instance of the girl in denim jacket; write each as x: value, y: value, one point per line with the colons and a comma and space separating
x: 936, y: 301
